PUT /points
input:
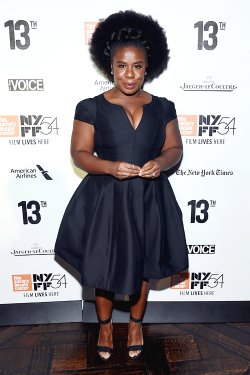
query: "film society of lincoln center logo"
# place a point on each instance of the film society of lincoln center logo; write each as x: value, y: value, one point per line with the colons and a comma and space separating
x: 9, y: 126
x: 89, y: 29
x: 103, y: 85
x: 197, y: 283
x: 41, y: 285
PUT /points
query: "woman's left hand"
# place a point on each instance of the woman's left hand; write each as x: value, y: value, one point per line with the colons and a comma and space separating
x: 151, y: 169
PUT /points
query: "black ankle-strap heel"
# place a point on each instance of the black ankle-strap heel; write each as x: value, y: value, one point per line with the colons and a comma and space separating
x: 105, y: 349
x: 135, y: 347
x: 135, y: 320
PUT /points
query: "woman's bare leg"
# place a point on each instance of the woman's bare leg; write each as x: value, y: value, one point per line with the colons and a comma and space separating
x: 104, y: 304
x: 138, y: 303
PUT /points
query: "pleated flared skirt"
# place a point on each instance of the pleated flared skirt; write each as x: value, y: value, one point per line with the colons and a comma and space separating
x: 117, y: 232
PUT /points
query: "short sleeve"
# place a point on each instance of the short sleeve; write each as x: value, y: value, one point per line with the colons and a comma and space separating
x: 86, y: 111
x: 169, y: 108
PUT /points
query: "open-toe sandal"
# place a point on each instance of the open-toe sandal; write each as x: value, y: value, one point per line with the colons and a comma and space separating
x: 135, y: 347
x: 105, y: 349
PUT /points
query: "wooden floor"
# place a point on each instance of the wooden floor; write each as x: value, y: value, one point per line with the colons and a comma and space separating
x: 188, y: 349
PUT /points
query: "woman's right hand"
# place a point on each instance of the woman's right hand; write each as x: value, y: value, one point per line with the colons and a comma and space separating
x: 122, y: 170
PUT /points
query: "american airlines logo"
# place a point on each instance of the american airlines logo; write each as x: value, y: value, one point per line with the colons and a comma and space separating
x: 25, y: 84
x: 44, y: 173
x: 30, y: 173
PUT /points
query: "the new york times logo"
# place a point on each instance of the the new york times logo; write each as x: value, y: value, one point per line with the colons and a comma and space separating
x: 25, y: 84
x: 201, y: 249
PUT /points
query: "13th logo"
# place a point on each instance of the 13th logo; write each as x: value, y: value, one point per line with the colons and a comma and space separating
x: 31, y: 211
x: 212, y: 28
x: 202, y: 206
x: 22, y: 27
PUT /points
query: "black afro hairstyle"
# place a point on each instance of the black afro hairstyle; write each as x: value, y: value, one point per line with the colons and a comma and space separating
x: 129, y: 28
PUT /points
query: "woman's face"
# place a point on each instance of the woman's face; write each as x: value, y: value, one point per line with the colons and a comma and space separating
x: 128, y: 67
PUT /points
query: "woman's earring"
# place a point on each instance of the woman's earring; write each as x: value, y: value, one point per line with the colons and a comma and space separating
x: 111, y: 72
x: 146, y: 73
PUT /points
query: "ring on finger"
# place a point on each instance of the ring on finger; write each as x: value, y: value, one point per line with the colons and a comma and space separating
x: 126, y: 175
x: 132, y: 167
x: 153, y: 174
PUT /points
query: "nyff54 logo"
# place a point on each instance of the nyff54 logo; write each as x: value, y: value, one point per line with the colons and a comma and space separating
x: 206, y: 125
x: 200, y: 280
x: 30, y: 125
x: 43, y: 281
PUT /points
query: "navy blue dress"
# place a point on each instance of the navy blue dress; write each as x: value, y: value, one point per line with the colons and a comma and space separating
x: 115, y: 232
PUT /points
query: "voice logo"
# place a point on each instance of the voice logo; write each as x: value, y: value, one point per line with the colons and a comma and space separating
x: 201, y: 249
x: 25, y: 85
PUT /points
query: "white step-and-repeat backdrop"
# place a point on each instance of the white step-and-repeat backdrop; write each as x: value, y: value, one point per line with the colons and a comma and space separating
x: 46, y: 71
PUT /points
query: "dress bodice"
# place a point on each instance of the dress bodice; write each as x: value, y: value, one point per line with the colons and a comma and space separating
x: 116, y: 139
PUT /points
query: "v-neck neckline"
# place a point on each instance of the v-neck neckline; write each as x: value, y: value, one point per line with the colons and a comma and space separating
x: 126, y: 112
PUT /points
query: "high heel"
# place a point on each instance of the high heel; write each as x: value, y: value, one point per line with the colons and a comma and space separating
x: 135, y: 347
x: 105, y: 349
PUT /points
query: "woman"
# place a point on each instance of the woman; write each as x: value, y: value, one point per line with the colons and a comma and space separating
x: 123, y: 224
